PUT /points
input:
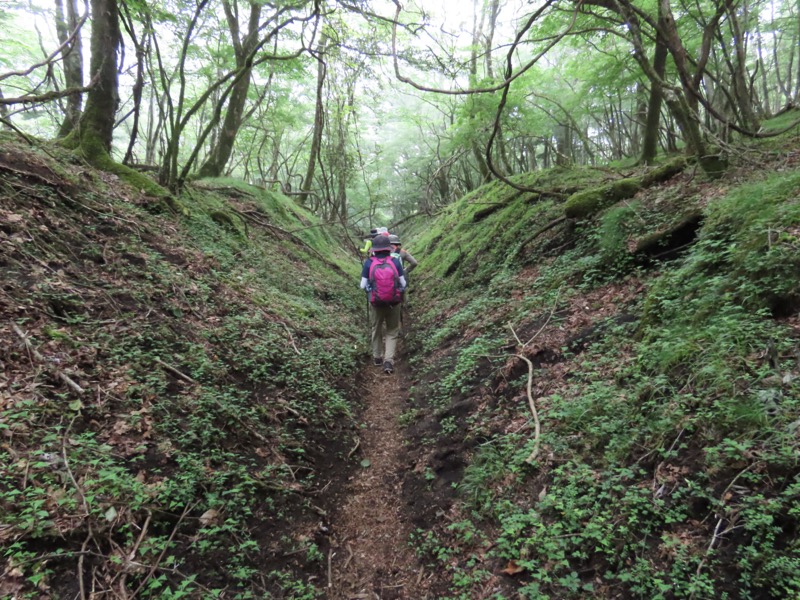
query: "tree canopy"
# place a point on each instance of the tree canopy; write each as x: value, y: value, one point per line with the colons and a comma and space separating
x: 377, y: 110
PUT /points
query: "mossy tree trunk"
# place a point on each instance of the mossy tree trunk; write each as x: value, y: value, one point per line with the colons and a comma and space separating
x: 96, y: 126
x: 93, y: 135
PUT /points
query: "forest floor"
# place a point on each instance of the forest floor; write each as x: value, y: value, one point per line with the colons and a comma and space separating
x: 370, y: 556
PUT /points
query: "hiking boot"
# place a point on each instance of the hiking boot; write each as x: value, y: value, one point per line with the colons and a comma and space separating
x: 377, y: 361
x: 388, y: 367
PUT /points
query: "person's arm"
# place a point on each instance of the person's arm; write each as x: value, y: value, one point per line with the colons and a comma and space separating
x: 367, y: 247
x: 365, y: 274
x: 401, y: 272
x: 412, y: 262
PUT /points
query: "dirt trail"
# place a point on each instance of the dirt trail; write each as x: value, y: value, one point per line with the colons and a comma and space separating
x: 370, y: 555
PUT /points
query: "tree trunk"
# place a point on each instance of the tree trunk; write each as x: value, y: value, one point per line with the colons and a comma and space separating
x: 221, y: 152
x: 741, y: 88
x: 794, y: 47
x: 494, y: 9
x: 96, y: 124
x: 73, y: 63
x: 477, y: 150
x: 319, y: 118
x: 650, y: 140
x: 138, y: 87
x: 563, y: 135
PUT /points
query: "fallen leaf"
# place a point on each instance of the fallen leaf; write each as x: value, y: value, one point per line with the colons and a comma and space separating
x: 512, y: 568
x: 208, y: 517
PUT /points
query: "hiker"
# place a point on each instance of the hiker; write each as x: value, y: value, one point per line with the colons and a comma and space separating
x: 384, y: 280
x: 404, y: 256
x: 366, y: 250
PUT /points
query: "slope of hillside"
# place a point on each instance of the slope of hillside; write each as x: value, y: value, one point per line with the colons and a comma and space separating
x: 173, y: 386
x: 611, y: 404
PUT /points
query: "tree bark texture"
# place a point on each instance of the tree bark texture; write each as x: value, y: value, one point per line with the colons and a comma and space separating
x: 650, y: 139
x: 73, y: 62
x: 97, y: 121
x: 319, y: 117
x: 243, y: 49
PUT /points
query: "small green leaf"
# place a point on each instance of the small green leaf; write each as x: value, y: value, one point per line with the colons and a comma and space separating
x: 366, y: 463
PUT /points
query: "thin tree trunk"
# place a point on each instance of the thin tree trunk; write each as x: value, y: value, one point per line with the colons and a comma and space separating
x: 138, y: 87
x: 319, y: 118
x: 73, y: 63
x: 221, y: 152
x: 650, y: 140
x: 741, y: 89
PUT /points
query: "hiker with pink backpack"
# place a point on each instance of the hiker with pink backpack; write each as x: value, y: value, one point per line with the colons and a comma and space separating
x: 383, y: 278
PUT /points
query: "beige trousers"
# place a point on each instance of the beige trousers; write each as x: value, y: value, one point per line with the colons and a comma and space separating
x: 390, y: 316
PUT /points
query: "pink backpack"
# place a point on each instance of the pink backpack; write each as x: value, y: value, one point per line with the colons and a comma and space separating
x: 384, y: 282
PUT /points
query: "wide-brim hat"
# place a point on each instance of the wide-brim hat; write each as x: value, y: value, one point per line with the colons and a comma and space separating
x: 380, y: 242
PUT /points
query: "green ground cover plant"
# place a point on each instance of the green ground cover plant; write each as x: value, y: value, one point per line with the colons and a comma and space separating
x: 216, y: 349
x: 670, y: 454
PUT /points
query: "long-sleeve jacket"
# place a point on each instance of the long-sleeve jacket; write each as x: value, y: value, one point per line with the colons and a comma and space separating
x: 409, y: 262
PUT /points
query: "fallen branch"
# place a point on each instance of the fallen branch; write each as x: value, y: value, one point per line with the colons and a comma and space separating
x: 250, y: 214
x: 547, y: 320
x: 62, y: 376
x: 539, y: 232
x: 157, y: 563
x: 355, y: 448
x: 222, y: 407
x: 291, y: 339
x: 537, y: 430
x: 175, y: 371
x: 84, y: 502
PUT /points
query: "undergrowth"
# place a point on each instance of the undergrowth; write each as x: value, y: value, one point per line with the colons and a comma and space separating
x: 214, y: 355
x: 667, y: 392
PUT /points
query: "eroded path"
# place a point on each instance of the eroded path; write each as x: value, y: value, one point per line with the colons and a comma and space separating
x: 370, y: 555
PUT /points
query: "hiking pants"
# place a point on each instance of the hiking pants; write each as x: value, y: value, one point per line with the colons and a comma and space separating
x: 390, y: 315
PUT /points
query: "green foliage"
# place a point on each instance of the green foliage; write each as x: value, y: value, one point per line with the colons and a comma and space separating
x: 222, y: 354
x: 672, y: 468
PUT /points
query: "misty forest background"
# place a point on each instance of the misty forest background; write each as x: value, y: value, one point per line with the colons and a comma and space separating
x: 368, y: 111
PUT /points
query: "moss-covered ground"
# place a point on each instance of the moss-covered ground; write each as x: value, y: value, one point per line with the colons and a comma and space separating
x: 663, y: 336
x: 602, y: 404
x: 174, y: 385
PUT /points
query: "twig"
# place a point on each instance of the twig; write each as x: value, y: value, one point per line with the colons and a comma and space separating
x: 534, y: 412
x: 716, y: 535
x: 172, y: 535
x: 537, y: 429
x: 80, y: 565
x: 539, y: 232
x: 291, y: 339
x: 62, y: 376
x: 138, y: 543
x: 331, y: 554
x: 355, y: 448
x: 85, y: 504
x: 550, y: 316
x: 175, y: 371
x: 514, y: 333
